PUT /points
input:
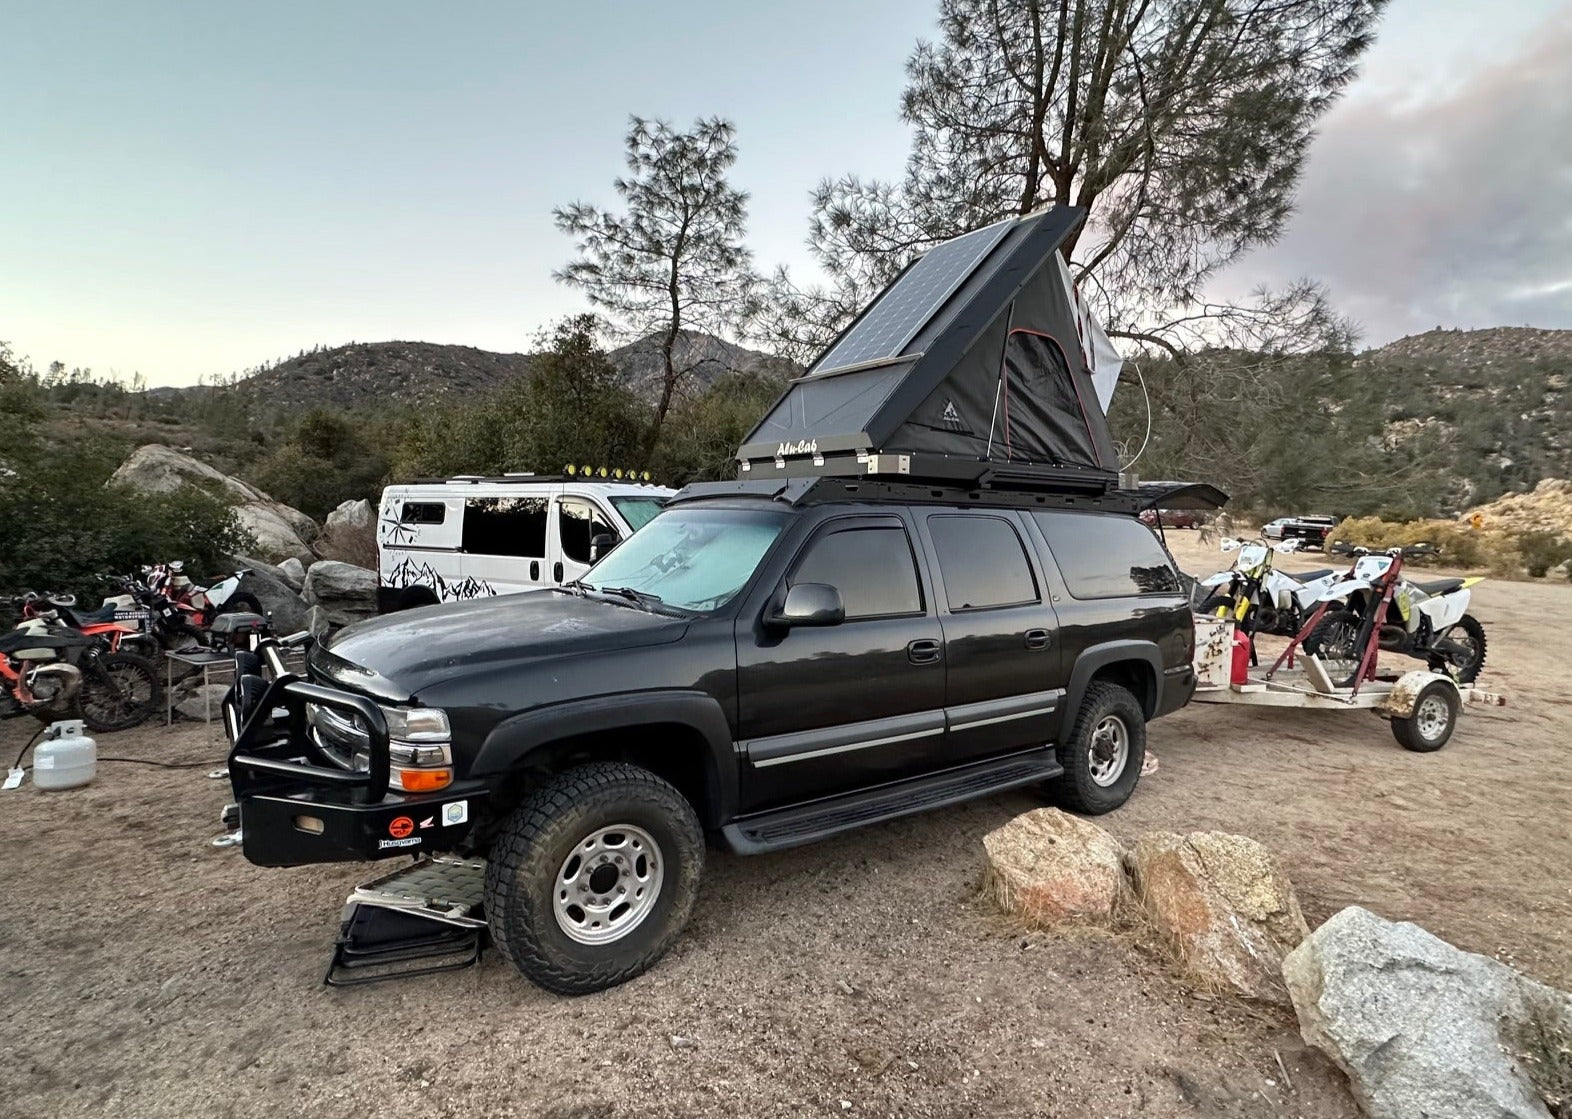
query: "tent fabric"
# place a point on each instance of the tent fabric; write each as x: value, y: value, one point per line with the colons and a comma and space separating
x: 1005, y: 370
x: 1043, y: 418
x: 1097, y: 351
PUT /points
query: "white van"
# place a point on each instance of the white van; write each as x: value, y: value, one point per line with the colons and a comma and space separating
x: 468, y: 537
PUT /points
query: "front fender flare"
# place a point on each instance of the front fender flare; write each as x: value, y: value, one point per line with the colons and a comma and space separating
x: 512, y: 741
x: 1113, y: 652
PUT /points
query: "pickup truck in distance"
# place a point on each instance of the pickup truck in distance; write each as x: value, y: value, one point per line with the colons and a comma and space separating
x: 766, y: 663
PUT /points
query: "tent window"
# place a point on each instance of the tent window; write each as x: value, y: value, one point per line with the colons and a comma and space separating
x: 1041, y: 417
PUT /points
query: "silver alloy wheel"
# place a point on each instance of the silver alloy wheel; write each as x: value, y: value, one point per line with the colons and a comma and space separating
x: 1109, y: 751
x: 1432, y: 717
x: 608, y: 884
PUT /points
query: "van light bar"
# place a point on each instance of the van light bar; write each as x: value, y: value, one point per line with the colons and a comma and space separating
x: 619, y: 473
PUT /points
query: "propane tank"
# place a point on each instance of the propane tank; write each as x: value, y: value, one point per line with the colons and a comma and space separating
x: 65, y: 758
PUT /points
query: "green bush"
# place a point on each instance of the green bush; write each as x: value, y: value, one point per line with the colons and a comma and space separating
x: 63, y: 529
x: 1543, y: 550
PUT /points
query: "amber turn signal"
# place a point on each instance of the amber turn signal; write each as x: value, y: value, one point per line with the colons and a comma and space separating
x: 423, y: 780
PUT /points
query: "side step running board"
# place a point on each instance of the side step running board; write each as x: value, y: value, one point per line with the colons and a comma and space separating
x: 790, y: 827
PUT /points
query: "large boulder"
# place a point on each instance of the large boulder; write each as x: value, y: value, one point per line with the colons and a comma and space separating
x: 1220, y: 901
x: 345, y: 592
x: 1426, y: 1029
x: 1049, y: 867
x: 285, y: 609
x: 349, y: 515
x: 293, y: 572
x: 280, y: 531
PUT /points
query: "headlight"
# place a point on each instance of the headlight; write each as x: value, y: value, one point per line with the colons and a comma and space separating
x: 417, y: 724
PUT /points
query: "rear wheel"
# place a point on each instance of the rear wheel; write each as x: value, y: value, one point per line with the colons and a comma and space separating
x: 1103, y: 755
x: 593, y: 877
x: 119, y: 691
x: 1464, y: 654
x: 1433, y: 720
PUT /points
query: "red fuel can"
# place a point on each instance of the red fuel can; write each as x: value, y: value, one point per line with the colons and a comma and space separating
x: 1239, y: 673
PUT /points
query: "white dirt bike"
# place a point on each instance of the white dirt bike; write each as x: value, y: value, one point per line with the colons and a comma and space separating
x: 1428, y: 620
x: 1258, y: 597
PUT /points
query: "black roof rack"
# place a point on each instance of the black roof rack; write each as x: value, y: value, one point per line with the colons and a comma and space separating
x: 477, y: 479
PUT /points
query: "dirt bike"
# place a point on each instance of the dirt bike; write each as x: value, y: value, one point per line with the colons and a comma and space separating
x: 183, y: 612
x: 1427, y: 620
x: 1258, y: 597
x: 55, y: 673
x: 203, y: 604
x: 119, y: 627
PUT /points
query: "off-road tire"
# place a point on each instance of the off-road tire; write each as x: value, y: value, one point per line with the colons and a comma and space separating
x: 412, y: 598
x: 1315, y: 644
x: 521, y: 875
x: 121, y: 671
x: 1213, y: 603
x: 1076, y: 789
x: 1410, y: 732
x: 1470, y: 672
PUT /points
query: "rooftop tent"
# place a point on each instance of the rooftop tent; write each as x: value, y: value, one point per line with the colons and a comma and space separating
x: 980, y: 355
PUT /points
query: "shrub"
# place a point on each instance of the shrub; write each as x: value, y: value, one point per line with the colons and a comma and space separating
x: 63, y: 530
x: 1502, y: 550
x: 1543, y: 550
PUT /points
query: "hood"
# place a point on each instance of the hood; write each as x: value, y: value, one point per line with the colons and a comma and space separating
x: 395, y: 656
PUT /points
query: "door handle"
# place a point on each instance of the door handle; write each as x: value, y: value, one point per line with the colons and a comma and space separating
x: 534, y: 571
x: 923, y: 651
x: 1037, y: 638
x: 556, y: 571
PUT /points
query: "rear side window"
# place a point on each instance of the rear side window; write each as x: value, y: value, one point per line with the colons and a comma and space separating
x: 505, y: 526
x: 1107, y: 556
x: 983, y: 562
x: 422, y: 513
x: 871, y: 567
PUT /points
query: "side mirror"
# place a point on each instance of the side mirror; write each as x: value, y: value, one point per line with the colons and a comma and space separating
x: 809, y: 604
x: 601, y: 545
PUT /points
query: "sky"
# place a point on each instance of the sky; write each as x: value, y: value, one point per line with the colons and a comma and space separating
x: 191, y: 189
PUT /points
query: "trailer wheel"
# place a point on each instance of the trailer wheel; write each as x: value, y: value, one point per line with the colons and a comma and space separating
x: 593, y: 877
x: 1433, y: 721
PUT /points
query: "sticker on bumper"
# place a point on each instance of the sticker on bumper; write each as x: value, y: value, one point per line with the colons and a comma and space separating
x: 455, y: 813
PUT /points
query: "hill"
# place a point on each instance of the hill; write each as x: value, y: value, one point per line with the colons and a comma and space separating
x: 377, y: 373
x: 1498, y: 397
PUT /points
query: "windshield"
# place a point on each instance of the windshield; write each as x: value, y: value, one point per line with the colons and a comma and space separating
x: 691, y: 559
x: 638, y: 511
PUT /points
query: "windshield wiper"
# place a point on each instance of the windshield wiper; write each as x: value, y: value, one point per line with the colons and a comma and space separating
x: 643, y: 598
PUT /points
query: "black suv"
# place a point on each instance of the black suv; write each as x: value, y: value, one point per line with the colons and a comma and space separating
x: 767, y: 662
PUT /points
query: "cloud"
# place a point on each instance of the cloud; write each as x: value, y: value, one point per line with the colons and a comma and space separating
x: 1452, y: 211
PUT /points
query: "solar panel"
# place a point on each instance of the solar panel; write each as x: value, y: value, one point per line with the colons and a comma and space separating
x: 906, y: 306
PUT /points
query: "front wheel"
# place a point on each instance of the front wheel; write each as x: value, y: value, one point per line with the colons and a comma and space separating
x: 593, y: 877
x: 1335, y: 642
x: 1462, y: 650
x: 119, y: 691
x: 1102, y: 757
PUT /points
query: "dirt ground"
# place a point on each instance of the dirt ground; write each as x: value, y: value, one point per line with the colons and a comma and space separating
x: 143, y: 972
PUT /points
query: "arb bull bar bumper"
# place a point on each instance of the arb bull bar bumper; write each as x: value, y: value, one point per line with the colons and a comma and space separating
x: 297, y: 804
